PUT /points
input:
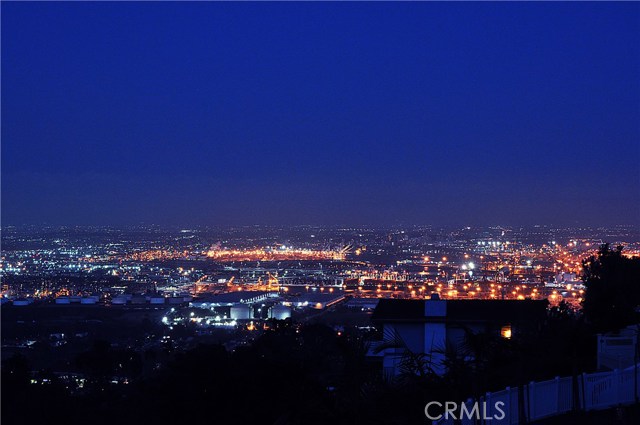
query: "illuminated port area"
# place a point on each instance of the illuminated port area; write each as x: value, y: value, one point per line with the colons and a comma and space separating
x: 105, y: 268
x: 282, y: 253
x: 223, y: 280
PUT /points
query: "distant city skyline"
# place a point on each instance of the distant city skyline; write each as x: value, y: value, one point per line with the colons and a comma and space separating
x: 320, y: 113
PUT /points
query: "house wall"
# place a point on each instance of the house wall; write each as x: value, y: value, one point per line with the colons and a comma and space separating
x: 412, y: 334
x: 428, y: 338
x: 435, y: 336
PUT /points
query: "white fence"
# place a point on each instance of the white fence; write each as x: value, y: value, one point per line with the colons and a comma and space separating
x: 544, y: 399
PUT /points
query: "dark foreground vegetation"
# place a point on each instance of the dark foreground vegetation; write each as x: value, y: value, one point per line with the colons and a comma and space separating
x: 290, y: 375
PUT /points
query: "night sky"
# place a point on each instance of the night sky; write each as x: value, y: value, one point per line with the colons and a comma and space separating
x: 321, y: 113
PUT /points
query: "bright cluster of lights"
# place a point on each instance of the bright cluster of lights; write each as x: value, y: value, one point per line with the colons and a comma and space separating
x: 283, y: 253
x: 156, y: 254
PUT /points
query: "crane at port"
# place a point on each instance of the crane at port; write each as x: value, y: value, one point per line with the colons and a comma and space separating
x: 273, y: 284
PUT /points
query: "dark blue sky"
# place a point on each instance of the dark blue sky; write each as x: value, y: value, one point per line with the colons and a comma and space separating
x: 321, y: 113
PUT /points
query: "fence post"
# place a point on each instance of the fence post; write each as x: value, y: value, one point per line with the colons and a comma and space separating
x: 532, y: 404
x: 485, y: 407
x: 617, y: 378
x: 522, y: 404
x: 575, y: 392
x: 584, y: 396
x: 558, y: 395
x: 470, y: 401
x: 507, y: 406
x: 635, y: 380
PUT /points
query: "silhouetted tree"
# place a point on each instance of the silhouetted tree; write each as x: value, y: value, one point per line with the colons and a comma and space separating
x: 613, y: 289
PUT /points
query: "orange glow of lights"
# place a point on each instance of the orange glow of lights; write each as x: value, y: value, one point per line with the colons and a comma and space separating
x: 505, y: 332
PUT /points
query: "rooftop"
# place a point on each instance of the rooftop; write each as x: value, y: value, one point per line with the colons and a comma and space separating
x: 463, y: 310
